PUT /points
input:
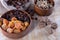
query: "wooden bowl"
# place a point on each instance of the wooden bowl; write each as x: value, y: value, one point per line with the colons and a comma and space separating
x: 21, y: 34
x: 43, y: 12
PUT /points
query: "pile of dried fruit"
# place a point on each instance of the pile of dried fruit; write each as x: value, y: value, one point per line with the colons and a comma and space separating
x: 44, y: 4
x: 14, y: 26
x: 18, y: 14
x: 16, y: 3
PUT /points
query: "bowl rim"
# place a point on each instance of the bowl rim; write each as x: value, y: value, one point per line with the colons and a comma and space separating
x: 22, y: 31
x: 6, y: 6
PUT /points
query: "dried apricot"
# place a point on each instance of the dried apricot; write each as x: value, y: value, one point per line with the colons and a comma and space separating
x: 5, y: 21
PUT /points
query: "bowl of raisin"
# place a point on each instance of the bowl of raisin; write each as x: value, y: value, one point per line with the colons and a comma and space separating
x: 15, y: 23
x: 15, y: 4
x: 44, y: 7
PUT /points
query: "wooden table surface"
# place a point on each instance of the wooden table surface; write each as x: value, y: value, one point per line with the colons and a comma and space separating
x: 37, y: 33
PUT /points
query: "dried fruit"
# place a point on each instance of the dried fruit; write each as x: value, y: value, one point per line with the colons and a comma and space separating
x: 11, y: 24
x: 23, y: 28
x: 13, y: 19
x: 18, y: 25
x: 17, y: 31
x: 16, y: 3
x: 26, y: 24
x: 4, y: 27
x: 5, y: 21
x: 9, y: 30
